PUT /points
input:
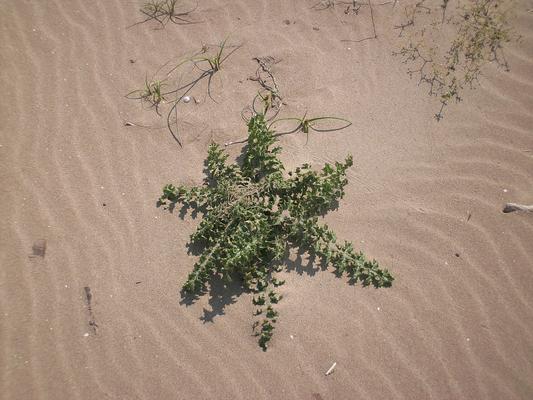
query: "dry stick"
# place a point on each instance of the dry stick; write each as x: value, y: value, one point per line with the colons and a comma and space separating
x: 330, y: 370
x: 510, y: 207
x: 129, y: 123
x: 444, y: 6
x: 373, y: 25
x: 88, y: 299
x: 372, y: 17
x: 264, y: 66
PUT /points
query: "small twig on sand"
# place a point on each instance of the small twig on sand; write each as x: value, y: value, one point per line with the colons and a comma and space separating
x: 372, y: 17
x: 88, y: 299
x: 330, y: 370
x: 510, y: 207
x: 375, y: 36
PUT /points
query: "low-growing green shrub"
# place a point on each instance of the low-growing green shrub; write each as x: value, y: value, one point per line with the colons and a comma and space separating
x: 254, y: 212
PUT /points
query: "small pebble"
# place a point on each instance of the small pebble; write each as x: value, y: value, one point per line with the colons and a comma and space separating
x: 186, y: 99
x: 85, y: 334
x: 505, y: 190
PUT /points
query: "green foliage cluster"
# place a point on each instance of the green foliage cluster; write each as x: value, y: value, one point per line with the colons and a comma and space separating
x: 164, y: 11
x: 254, y: 212
x: 152, y: 93
x: 157, y: 92
x: 481, y: 30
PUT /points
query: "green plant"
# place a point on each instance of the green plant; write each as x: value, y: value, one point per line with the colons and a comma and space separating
x: 305, y: 124
x: 208, y: 65
x: 152, y: 93
x: 254, y: 212
x: 164, y: 11
x: 269, y: 100
x: 214, y: 61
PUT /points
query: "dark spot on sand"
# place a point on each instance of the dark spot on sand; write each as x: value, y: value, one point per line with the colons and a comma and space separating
x: 38, y: 248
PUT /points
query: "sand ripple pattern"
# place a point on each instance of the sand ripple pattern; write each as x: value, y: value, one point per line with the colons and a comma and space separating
x: 424, y: 198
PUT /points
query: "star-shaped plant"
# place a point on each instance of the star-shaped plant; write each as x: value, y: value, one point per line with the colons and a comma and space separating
x: 254, y: 212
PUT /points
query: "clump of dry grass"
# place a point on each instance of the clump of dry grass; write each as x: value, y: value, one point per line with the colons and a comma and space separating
x: 165, y: 11
x: 481, y: 29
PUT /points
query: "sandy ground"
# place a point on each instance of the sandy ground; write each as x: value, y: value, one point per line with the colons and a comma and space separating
x: 424, y: 198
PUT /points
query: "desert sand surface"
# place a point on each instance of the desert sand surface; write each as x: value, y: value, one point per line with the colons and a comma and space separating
x: 425, y: 198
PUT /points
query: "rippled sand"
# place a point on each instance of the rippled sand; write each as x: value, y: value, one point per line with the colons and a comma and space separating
x: 425, y: 198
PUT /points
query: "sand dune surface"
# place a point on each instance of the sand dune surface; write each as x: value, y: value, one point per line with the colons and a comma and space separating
x: 82, y: 168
